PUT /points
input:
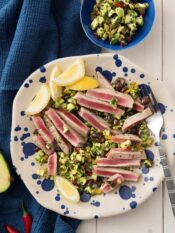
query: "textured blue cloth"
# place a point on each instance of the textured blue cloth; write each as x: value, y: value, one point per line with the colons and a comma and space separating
x: 32, y: 33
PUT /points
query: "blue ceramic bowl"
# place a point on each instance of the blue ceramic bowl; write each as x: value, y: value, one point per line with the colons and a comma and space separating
x: 85, y: 12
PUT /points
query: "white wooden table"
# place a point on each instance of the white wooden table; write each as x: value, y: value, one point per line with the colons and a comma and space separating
x: 156, y: 55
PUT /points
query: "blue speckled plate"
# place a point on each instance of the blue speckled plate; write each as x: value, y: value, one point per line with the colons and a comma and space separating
x: 129, y: 195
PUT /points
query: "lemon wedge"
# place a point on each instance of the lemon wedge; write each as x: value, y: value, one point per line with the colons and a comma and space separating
x: 40, y: 101
x: 67, y: 189
x: 84, y: 84
x: 72, y: 74
x: 55, y: 90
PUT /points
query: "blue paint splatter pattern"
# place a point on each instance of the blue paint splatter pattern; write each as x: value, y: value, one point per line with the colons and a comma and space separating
x: 106, y: 73
x: 95, y: 203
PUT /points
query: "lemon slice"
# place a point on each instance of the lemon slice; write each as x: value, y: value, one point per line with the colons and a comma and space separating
x: 72, y: 74
x: 40, y: 101
x: 67, y: 189
x: 55, y: 90
x: 84, y: 84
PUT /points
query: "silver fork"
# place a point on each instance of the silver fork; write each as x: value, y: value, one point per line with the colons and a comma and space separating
x: 155, y: 124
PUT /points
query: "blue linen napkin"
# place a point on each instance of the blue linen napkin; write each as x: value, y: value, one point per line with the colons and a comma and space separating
x: 33, y: 33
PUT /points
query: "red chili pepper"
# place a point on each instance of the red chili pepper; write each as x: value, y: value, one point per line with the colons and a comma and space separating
x: 118, y: 4
x: 27, y: 219
x: 10, y: 229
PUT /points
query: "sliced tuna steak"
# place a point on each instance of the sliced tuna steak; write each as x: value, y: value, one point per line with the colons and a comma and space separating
x: 42, y: 129
x: 119, y: 138
x: 106, y: 188
x: 73, y: 122
x: 107, y: 95
x: 119, y: 153
x: 135, y: 119
x: 98, y: 105
x: 94, y: 120
x: 138, y: 106
x: 40, y: 143
x: 104, y: 83
x: 111, y: 183
x: 105, y: 162
x: 107, y: 172
x: 67, y: 132
x: 52, y: 164
x: 62, y: 143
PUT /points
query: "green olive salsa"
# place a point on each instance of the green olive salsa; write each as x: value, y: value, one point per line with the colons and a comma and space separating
x: 117, y: 20
x: 77, y: 167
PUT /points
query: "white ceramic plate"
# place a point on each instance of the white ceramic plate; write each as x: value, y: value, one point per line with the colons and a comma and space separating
x: 129, y: 195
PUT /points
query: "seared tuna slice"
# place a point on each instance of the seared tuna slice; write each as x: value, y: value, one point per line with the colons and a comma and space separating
x: 138, y: 106
x: 62, y: 143
x: 111, y: 183
x: 67, y: 132
x: 94, y: 120
x: 73, y: 122
x: 119, y: 153
x: 42, y: 129
x: 40, y: 143
x: 105, y: 162
x: 135, y: 119
x: 104, y: 83
x: 119, y: 138
x: 107, y: 172
x: 107, y: 95
x: 98, y: 105
x: 106, y: 188
x: 52, y: 164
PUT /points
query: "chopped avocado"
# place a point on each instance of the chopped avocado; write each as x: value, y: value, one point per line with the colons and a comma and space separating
x: 100, y: 20
x: 132, y: 27
x: 126, y: 1
x: 117, y: 20
x: 125, y: 144
x: 111, y: 12
x: 128, y: 19
x: 141, y: 7
x: 100, y: 32
x: 139, y: 20
x: 4, y: 175
x: 94, y: 24
x: 82, y: 180
x: 70, y: 107
x: 132, y: 13
x: 120, y: 12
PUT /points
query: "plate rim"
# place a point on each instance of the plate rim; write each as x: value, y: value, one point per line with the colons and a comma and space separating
x: 105, y: 55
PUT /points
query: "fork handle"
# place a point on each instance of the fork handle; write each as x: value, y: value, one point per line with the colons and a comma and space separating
x: 169, y: 179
